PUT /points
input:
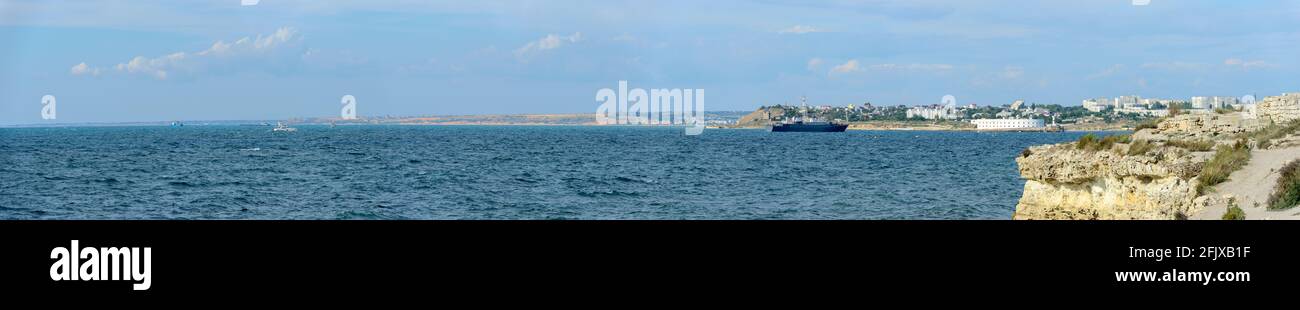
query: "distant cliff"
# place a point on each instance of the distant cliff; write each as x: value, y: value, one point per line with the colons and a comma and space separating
x: 1152, y: 174
x: 760, y: 118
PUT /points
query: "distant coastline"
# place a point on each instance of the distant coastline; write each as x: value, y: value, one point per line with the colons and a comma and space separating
x: 713, y: 119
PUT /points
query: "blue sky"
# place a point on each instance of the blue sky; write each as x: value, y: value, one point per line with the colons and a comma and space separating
x: 151, y: 60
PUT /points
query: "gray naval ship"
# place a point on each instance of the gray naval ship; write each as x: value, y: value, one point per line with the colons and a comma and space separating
x: 805, y: 124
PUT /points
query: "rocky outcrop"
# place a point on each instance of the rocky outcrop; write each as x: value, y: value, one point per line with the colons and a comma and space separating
x: 760, y: 117
x: 1063, y: 182
x: 1199, y: 126
x: 1279, y: 109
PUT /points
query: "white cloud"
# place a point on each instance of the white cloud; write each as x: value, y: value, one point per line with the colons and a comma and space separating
x: 799, y: 29
x: 84, y: 69
x: 847, y: 67
x: 1246, y: 64
x: 549, y: 42
x: 218, y: 48
x: 155, y: 67
x: 163, y: 67
x: 814, y: 64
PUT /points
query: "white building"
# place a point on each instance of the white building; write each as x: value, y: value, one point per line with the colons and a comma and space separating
x: 1097, y: 104
x: 1009, y: 124
x: 1124, y: 102
x: 1216, y: 102
x: 1224, y: 102
x: 1200, y: 102
x: 1151, y: 103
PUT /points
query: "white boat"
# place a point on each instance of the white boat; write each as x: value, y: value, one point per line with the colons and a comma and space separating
x: 279, y: 126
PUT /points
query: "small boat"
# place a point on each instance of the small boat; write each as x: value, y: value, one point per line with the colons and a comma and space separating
x: 279, y: 126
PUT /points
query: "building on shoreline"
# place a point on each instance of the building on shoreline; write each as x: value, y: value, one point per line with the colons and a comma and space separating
x: 1009, y: 124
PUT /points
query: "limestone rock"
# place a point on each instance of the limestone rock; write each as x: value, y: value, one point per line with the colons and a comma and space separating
x: 1063, y: 182
x: 1201, y: 126
x: 1279, y: 109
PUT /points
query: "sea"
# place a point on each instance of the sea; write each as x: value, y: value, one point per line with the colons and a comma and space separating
x: 507, y: 173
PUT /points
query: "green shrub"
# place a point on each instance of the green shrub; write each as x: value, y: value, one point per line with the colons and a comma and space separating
x: 1226, y: 160
x: 1234, y: 214
x: 1174, y: 110
x: 1086, y: 141
x: 1223, y: 111
x: 1026, y: 152
x: 1194, y: 146
x: 1286, y: 194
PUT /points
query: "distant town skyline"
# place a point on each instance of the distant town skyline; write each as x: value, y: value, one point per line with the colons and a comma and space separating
x: 150, y: 60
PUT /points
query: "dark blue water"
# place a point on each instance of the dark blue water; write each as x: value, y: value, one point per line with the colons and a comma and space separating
x: 507, y: 172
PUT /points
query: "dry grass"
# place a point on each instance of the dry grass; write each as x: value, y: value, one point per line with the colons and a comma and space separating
x: 1274, y: 131
x: 1227, y: 159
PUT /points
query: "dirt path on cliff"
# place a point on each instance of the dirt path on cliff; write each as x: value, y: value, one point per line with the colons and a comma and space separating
x: 1253, y: 184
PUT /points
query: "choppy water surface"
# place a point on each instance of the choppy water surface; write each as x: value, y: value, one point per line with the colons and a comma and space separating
x: 507, y: 172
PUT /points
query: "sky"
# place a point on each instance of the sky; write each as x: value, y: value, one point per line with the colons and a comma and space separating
x: 156, y: 60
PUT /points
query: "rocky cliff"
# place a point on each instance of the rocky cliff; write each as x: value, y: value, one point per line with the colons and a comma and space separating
x: 760, y: 118
x: 1279, y: 109
x: 1064, y: 182
x: 1152, y: 174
